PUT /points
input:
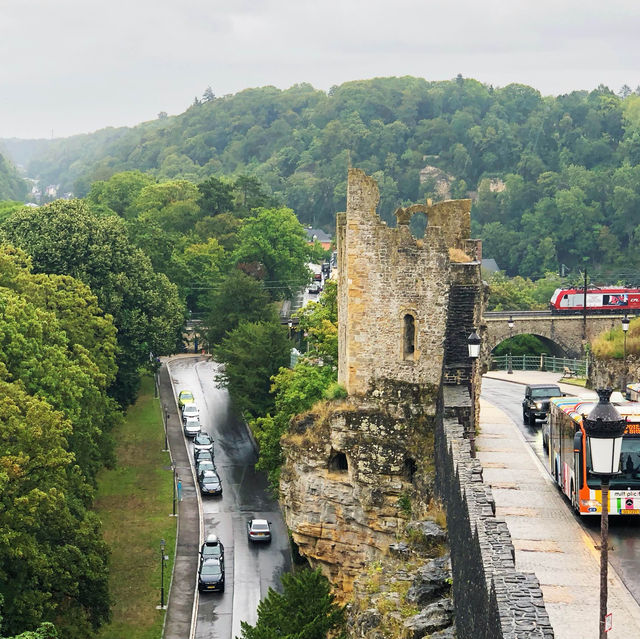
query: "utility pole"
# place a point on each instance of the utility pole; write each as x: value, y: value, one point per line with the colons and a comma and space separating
x: 584, y: 307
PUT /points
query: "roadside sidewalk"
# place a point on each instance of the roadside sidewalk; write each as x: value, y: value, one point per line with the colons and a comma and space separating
x: 180, y: 603
x: 548, y: 540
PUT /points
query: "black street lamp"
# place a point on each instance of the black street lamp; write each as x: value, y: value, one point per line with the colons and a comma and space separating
x: 625, y: 327
x: 604, y: 429
x: 509, y: 366
x: 163, y: 558
x: 473, y: 344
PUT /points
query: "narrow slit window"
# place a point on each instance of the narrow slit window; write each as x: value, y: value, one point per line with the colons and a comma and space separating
x: 409, y: 336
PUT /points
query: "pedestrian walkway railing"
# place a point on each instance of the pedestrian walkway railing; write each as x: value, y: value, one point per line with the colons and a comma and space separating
x: 567, y: 366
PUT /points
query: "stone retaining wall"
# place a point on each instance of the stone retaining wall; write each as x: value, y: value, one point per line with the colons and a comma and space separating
x: 492, y: 599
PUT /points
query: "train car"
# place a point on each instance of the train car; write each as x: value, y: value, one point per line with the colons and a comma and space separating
x: 569, y: 461
x: 599, y: 300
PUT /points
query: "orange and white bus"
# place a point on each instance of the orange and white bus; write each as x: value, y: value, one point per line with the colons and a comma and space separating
x: 569, y: 458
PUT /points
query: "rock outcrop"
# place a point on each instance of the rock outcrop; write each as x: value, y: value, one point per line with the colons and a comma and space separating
x: 355, y: 471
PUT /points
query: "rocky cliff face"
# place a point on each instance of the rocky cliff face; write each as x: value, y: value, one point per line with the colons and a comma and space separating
x: 355, y: 472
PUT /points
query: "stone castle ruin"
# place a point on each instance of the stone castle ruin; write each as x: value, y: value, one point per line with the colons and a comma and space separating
x: 360, y: 474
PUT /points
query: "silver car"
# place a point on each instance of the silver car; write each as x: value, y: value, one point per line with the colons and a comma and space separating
x: 191, y: 426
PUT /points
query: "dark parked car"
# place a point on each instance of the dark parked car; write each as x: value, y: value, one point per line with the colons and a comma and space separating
x: 259, y: 530
x: 535, y: 404
x: 212, y: 549
x: 211, y: 575
x: 210, y: 483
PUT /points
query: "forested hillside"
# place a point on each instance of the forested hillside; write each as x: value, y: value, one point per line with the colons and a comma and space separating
x: 12, y: 186
x: 555, y: 179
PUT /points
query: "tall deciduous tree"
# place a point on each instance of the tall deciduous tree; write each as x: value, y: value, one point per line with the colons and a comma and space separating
x: 238, y: 297
x: 275, y: 239
x: 66, y: 238
x: 252, y: 353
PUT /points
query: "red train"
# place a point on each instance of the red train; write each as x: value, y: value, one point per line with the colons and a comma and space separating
x: 599, y: 300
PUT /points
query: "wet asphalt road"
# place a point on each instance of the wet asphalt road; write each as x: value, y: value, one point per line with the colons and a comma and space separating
x: 624, y: 532
x: 249, y: 569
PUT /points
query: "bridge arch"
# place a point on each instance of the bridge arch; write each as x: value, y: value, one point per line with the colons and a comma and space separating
x: 570, y: 333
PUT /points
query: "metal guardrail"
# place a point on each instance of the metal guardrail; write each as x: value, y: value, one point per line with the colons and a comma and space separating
x: 549, y: 363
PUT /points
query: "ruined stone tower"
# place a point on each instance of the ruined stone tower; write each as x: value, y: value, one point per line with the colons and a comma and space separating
x: 393, y: 289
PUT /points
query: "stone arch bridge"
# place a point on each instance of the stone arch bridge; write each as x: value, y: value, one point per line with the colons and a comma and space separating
x: 568, y: 332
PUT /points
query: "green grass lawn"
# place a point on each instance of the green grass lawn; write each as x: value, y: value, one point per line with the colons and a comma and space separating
x: 134, y: 501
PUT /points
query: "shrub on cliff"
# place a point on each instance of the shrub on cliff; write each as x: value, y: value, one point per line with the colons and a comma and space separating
x: 306, y: 608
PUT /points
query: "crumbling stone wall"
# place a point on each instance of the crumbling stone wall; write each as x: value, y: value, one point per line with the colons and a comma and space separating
x: 492, y: 599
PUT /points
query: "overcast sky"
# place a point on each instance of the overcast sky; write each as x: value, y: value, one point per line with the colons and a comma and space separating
x: 75, y: 66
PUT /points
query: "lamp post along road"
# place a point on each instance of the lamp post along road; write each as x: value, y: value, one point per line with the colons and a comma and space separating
x: 509, y: 365
x: 625, y: 328
x: 473, y: 344
x: 604, y: 428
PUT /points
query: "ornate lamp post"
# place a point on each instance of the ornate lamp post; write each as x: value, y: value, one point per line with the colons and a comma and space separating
x: 625, y: 328
x: 509, y: 366
x: 604, y: 429
x: 473, y: 344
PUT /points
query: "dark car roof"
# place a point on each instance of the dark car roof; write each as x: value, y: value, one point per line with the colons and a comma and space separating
x: 543, y: 386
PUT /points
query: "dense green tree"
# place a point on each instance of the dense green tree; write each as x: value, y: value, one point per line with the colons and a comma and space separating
x: 66, y: 238
x: 275, y: 239
x: 237, y: 297
x: 252, y: 353
x: 216, y: 196
x: 119, y: 192
x: 53, y: 563
x: 305, y: 608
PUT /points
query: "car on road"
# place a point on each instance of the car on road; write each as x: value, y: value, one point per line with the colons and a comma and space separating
x: 535, y: 404
x: 210, y: 483
x: 190, y: 410
x: 212, y: 549
x: 204, y: 464
x: 200, y: 455
x: 315, y: 288
x: 185, y: 397
x: 203, y: 441
x: 191, y: 426
x: 211, y: 576
x: 259, y: 530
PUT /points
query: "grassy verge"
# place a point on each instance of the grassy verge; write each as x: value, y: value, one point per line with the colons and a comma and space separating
x: 134, y: 502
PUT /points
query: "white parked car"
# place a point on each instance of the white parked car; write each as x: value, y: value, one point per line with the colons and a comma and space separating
x: 190, y: 410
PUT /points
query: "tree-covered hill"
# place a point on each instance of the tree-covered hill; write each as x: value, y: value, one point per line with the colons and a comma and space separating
x: 12, y: 186
x: 554, y: 179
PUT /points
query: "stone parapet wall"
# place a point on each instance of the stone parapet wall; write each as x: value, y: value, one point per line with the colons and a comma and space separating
x: 492, y: 599
x: 611, y: 373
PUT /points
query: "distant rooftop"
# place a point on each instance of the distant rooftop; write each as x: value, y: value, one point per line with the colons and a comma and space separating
x: 490, y: 265
x: 317, y: 235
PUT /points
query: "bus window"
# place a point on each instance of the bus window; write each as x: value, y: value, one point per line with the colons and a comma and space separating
x: 629, y: 466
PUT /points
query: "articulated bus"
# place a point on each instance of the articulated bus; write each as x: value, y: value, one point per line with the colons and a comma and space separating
x: 568, y: 458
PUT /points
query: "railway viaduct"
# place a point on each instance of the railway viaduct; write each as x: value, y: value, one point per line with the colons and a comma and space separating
x: 567, y: 332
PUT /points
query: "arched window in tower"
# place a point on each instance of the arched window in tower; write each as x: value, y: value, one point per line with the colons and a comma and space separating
x: 409, y: 336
